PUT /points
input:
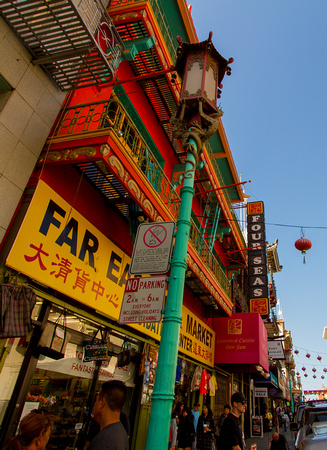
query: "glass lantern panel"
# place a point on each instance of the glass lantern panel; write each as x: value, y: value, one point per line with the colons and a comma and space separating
x: 193, y: 83
x: 210, y: 86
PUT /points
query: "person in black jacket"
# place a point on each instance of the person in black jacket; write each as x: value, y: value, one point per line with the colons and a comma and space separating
x: 186, y: 432
x: 231, y: 434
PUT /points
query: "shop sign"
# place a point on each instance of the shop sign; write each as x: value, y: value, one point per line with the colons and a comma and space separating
x: 152, y: 248
x: 257, y: 259
x: 143, y: 300
x: 58, y: 247
x: 196, y: 340
x: 72, y: 364
x: 276, y: 350
x: 95, y: 352
x: 272, y: 392
x: 270, y: 380
x: 241, y: 339
x: 256, y: 426
x: 261, y: 392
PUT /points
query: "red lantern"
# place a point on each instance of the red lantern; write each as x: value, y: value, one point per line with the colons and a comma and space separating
x: 324, y: 369
x: 319, y: 358
x: 304, y: 368
x: 303, y: 245
x: 305, y: 375
x: 308, y: 355
x: 322, y: 376
x: 314, y: 376
x: 296, y: 352
x: 314, y: 370
x: 297, y: 373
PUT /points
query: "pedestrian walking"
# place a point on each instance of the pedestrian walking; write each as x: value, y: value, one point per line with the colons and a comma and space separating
x: 34, y: 433
x: 196, y: 415
x: 231, y: 433
x: 220, y: 422
x: 286, y: 421
x: 106, y: 412
x: 205, y: 430
x: 279, y: 413
x: 173, y: 432
x: 186, y: 432
x: 279, y: 442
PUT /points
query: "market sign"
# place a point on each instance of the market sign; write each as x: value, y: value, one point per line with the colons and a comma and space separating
x: 143, y: 300
x: 152, y: 248
x: 197, y: 339
x: 58, y: 247
x: 257, y: 259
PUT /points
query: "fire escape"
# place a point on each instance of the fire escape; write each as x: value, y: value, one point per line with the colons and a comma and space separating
x: 74, y: 41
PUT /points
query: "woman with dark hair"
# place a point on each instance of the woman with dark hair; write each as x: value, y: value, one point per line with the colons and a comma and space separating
x: 220, y: 422
x: 206, y: 429
x: 179, y: 409
x: 223, y: 416
x: 186, y: 432
x: 34, y: 433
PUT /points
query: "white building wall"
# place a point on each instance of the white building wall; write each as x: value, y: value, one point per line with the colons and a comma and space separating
x: 25, y: 120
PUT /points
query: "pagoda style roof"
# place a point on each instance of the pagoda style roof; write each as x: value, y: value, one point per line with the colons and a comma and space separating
x: 185, y: 47
x: 272, y: 257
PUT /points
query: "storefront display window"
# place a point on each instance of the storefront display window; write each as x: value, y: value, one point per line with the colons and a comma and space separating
x: 66, y: 387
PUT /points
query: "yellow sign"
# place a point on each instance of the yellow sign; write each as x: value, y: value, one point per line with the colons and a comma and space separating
x: 59, y: 248
x: 197, y: 340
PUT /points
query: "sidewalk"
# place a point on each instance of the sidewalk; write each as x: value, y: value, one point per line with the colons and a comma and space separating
x: 263, y: 443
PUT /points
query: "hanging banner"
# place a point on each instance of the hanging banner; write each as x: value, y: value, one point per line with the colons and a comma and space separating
x: 58, y: 247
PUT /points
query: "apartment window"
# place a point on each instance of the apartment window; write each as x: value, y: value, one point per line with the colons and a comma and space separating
x: 5, y: 92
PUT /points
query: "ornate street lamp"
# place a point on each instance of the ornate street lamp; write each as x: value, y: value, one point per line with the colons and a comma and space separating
x: 202, y: 69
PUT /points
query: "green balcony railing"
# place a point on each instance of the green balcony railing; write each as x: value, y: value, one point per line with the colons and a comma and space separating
x: 90, y: 118
x: 225, y: 192
x: 110, y: 114
x: 209, y: 259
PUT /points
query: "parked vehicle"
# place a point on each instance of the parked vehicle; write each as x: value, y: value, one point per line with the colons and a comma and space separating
x: 311, y: 415
x: 317, y: 439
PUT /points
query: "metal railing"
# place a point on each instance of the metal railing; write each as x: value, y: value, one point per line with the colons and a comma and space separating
x: 209, y: 259
x: 225, y: 193
x: 110, y: 114
x: 163, y: 25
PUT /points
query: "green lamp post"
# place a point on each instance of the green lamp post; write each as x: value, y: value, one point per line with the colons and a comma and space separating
x: 202, y: 69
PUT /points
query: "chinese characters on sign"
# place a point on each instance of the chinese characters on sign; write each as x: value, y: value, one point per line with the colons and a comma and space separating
x: 58, y: 247
x: 257, y: 259
x: 197, y: 340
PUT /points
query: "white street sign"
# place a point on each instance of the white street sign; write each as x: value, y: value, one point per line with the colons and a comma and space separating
x: 143, y: 300
x: 152, y: 248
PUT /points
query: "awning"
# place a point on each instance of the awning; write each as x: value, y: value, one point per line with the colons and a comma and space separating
x: 271, y: 381
x: 241, y: 341
x: 77, y: 368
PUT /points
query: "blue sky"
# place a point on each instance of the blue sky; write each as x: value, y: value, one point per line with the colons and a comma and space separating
x: 275, y: 105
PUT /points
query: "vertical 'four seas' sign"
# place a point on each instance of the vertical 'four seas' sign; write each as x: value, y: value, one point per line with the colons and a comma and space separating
x: 257, y: 259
